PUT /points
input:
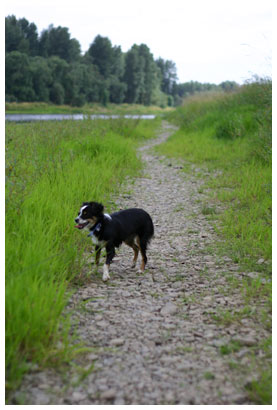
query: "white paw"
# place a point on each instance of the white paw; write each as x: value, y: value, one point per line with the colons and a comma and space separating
x: 106, y: 275
x: 105, y: 278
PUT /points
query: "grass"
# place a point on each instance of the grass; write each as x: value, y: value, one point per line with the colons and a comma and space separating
x: 260, y: 391
x: 93, y: 108
x: 50, y: 169
x: 230, y: 136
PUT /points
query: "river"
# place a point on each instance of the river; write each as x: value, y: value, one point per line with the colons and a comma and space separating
x: 60, y: 117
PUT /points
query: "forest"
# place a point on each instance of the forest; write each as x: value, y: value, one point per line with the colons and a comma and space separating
x: 49, y: 67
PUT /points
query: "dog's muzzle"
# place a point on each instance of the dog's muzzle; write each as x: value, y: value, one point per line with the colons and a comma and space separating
x: 81, y: 225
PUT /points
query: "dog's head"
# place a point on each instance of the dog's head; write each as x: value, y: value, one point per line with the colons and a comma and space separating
x: 89, y: 215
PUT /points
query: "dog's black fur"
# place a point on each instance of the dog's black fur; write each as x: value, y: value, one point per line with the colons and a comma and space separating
x: 131, y: 226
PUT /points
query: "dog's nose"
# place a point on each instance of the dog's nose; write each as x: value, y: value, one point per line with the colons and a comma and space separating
x: 76, y: 220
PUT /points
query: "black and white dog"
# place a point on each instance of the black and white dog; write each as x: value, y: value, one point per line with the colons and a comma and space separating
x: 131, y: 226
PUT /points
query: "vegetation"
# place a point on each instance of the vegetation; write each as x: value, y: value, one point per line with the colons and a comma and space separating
x: 50, y: 168
x: 89, y: 109
x: 50, y: 68
x: 231, y: 136
x: 232, y: 133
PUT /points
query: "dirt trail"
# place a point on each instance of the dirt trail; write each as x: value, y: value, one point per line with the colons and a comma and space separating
x: 155, y: 339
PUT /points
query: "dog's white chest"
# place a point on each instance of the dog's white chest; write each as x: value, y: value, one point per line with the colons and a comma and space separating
x: 96, y: 241
x: 97, y: 228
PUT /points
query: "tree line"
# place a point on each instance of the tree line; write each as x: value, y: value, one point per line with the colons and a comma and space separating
x: 51, y: 68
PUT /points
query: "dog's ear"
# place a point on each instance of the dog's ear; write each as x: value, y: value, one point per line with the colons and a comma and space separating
x: 97, y: 207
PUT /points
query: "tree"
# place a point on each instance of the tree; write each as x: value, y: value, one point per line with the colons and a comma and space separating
x: 19, y: 77
x: 13, y: 35
x: 109, y: 61
x: 118, y: 63
x: 50, y: 67
x: 117, y: 90
x: 150, y: 78
x: 56, y: 41
x: 83, y: 84
x: 228, y: 86
x: 20, y: 35
x: 102, y: 54
x: 43, y: 46
x: 192, y: 87
x: 141, y: 75
x: 41, y: 78
x: 168, y: 75
x: 59, y: 71
x: 57, y: 93
x: 30, y: 34
x: 133, y: 75
x: 59, y: 68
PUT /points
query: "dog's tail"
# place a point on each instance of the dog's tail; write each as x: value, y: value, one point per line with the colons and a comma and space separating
x: 149, y: 231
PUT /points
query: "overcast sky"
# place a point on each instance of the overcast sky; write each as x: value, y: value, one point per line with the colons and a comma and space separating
x: 209, y: 40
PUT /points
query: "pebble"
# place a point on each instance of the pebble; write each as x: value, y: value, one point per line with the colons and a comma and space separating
x: 242, y: 353
x: 109, y: 394
x: 169, y: 309
x: 117, y: 342
x: 246, y: 341
x: 78, y: 396
x: 92, y: 357
x: 176, y: 285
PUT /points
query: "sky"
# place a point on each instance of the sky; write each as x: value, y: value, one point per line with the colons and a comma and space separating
x: 209, y: 40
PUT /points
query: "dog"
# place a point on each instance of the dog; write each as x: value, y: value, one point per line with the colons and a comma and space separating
x: 132, y: 226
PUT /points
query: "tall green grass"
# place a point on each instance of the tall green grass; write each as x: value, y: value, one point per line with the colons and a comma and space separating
x: 231, y: 135
x: 51, y: 167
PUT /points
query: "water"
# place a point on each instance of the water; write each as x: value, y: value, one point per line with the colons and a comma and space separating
x: 59, y: 117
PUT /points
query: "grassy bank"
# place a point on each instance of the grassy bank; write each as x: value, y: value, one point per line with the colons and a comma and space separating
x: 230, y: 136
x: 50, y: 169
x: 119, y: 109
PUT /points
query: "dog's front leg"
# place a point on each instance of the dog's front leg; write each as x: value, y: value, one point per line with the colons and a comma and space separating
x: 97, y: 254
x: 110, y: 254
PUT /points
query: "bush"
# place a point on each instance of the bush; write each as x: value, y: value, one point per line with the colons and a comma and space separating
x: 57, y: 94
x: 78, y: 100
x: 262, y: 144
x: 230, y: 128
x: 10, y: 98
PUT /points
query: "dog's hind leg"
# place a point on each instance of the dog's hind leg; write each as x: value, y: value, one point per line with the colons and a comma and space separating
x: 131, y: 243
x: 136, y: 252
x: 142, y: 243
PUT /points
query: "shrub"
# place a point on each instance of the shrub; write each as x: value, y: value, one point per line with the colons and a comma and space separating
x: 230, y: 128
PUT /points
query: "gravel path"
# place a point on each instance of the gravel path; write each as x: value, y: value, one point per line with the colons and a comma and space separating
x: 153, y: 335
